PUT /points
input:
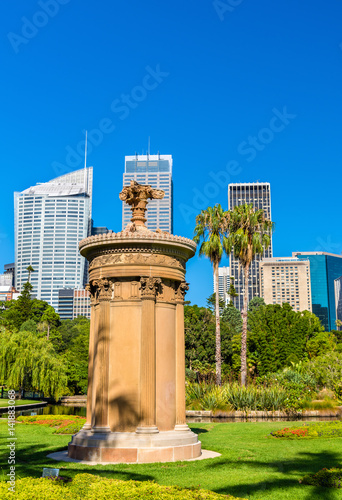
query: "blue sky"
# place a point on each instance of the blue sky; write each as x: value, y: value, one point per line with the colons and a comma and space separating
x: 235, y: 90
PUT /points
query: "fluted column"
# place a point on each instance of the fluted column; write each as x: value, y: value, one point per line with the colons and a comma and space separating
x: 148, y: 287
x: 104, y: 293
x: 87, y: 425
x: 180, y: 290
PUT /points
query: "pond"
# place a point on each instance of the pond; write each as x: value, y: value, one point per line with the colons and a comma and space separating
x: 81, y: 411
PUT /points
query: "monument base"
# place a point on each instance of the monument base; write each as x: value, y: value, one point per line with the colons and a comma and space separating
x: 132, y: 447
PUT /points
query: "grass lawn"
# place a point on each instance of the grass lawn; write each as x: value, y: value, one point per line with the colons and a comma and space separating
x: 253, y: 465
x: 18, y: 402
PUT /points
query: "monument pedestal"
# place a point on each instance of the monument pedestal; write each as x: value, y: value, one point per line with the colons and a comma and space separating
x: 131, y: 447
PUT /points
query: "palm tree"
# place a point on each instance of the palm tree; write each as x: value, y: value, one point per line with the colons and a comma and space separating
x: 211, y: 226
x: 249, y: 235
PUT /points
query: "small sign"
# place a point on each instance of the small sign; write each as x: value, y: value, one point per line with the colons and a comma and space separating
x: 33, y: 413
x: 50, y: 472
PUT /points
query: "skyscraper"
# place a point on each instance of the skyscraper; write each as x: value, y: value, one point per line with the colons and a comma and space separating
x: 259, y: 194
x: 50, y: 219
x: 155, y: 170
x: 224, y: 283
x: 325, y: 268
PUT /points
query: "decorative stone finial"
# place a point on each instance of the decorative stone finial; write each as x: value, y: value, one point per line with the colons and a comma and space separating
x: 137, y: 195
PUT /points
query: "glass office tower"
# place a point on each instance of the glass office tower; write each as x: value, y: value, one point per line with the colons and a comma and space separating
x: 50, y: 221
x: 156, y: 171
x: 338, y: 300
x: 325, y: 268
x: 259, y: 194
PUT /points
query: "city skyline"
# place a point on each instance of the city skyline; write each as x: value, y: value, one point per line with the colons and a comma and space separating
x: 251, y: 95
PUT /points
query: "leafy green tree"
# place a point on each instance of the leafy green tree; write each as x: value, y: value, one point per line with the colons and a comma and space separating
x: 232, y: 291
x: 18, y: 311
x: 211, y: 302
x: 278, y: 336
x: 200, y: 338
x: 255, y: 303
x: 320, y: 344
x: 28, y: 362
x: 48, y: 320
x: 29, y: 326
x: 211, y: 226
x: 249, y: 233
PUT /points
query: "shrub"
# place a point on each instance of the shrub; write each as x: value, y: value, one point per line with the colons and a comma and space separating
x: 313, y: 430
x: 88, y: 486
x: 330, y: 478
x: 63, y: 424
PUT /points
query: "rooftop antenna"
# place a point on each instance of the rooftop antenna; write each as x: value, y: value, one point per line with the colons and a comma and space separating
x: 148, y: 149
x: 85, y: 163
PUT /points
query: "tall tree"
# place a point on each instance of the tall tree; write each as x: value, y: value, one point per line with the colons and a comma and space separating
x: 30, y: 270
x: 249, y: 234
x: 211, y: 226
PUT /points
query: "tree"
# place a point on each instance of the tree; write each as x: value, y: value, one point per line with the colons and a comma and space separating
x: 49, y: 319
x: 30, y: 270
x: 248, y: 235
x: 18, y: 311
x: 28, y: 362
x: 211, y: 226
x: 279, y: 336
x: 211, y: 302
x: 232, y: 292
x: 199, y: 325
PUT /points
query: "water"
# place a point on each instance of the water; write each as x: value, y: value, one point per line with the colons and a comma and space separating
x: 81, y: 411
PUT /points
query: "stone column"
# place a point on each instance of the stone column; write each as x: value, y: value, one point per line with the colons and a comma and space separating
x: 180, y: 291
x: 148, y: 287
x: 101, y: 356
x: 87, y: 425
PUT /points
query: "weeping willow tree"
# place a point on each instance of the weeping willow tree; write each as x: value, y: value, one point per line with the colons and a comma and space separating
x: 28, y: 362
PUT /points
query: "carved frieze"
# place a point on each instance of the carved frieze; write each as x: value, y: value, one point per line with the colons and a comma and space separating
x: 143, y: 258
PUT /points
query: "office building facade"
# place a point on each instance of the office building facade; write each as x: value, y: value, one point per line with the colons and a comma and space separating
x: 224, y: 283
x: 325, y: 268
x: 156, y: 171
x: 73, y: 303
x: 50, y: 221
x: 286, y: 279
x: 259, y: 194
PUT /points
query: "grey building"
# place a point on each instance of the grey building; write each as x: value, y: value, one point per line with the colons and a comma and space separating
x: 156, y: 171
x: 259, y: 194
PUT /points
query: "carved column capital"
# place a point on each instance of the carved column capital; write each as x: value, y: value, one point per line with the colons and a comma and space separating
x: 181, y: 287
x: 101, y: 289
x: 149, y: 287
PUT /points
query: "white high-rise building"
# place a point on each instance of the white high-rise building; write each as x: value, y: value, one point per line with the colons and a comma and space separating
x: 224, y: 283
x: 50, y: 220
x: 286, y: 279
x: 259, y: 194
x: 156, y: 171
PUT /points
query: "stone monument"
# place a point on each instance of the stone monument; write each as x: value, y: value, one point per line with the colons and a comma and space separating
x: 136, y: 381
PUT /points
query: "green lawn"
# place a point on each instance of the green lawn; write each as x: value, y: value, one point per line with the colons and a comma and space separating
x: 253, y: 465
x: 18, y: 402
